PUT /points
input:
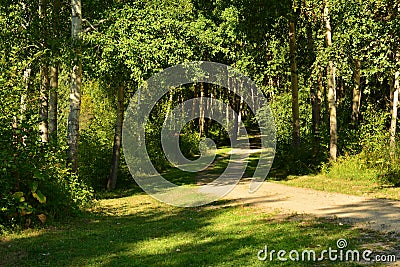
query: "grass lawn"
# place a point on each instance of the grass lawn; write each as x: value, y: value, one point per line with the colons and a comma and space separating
x: 129, y: 228
x: 342, y: 184
x: 347, y: 176
x: 140, y: 231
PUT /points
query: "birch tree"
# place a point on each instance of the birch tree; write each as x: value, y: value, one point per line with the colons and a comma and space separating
x: 294, y: 85
x: 44, y: 76
x: 75, y: 90
x: 331, y: 88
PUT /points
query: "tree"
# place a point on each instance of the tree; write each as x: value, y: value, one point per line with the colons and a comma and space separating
x: 294, y: 85
x: 395, y: 104
x: 356, y: 92
x: 112, y: 179
x: 44, y: 75
x: 53, y: 96
x: 331, y: 88
x: 75, y: 90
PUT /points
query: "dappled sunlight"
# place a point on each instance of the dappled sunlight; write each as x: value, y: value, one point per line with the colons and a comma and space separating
x: 139, y: 231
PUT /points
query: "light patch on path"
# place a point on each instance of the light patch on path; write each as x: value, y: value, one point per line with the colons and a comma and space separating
x: 377, y: 214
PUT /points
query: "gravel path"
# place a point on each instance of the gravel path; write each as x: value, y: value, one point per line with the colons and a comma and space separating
x: 377, y: 214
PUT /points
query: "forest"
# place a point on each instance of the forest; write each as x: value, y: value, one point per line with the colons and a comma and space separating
x: 329, y: 70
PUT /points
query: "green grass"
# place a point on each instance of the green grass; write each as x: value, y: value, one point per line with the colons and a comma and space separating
x: 139, y: 231
x: 347, y: 176
x: 129, y: 228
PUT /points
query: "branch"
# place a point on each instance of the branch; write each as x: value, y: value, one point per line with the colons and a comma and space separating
x: 92, y: 27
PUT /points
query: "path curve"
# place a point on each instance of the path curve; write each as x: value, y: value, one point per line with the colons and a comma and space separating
x: 377, y: 214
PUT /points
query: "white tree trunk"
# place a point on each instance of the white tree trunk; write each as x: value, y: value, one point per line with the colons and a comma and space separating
x: 53, y: 103
x: 75, y: 90
x: 294, y: 86
x: 393, y: 122
x: 44, y: 104
x: 356, y: 92
x: 331, y: 90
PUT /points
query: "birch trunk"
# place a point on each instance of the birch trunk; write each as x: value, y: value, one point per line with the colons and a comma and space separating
x: 76, y: 82
x: 331, y: 90
x: 294, y: 86
x: 53, y: 97
x: 201, y: 119
x: 356, y: 93
x: 395, y: 103
x: 44, y: 104
x: 53, y: 103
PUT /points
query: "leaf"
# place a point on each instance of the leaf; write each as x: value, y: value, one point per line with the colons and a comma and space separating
x: 34, y: 186
x: 39, y: 196
x: 19, y: 196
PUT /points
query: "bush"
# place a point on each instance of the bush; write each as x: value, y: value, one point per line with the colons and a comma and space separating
x: 36, y: 184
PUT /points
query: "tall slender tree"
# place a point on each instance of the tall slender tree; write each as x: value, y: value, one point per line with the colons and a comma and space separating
x: 53, y: 96
x: 112, y: 179
x: 331, y: 87
x: 294, y: 85
x: 53, y: 103
x: 395, y: 104
x: 75, y: 90
x: 44, y: 77
x: 356, y: 92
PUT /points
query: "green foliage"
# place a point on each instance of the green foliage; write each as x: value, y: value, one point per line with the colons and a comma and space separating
x: 189, y: 143
x: 125, y: 42
x: 40, y: 185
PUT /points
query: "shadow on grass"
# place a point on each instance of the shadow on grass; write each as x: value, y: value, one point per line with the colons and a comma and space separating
x: 139, y: 231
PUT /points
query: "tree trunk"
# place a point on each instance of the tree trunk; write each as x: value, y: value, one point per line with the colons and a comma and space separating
x: 316, y: 100
x: 44, y: 82
x: 331, y: 90
x: 235, y: 110
x: 75, y: 90
x: 395, y: 103
x: 356, y: 93
x: 201, y: 119
x: 53, y: 98
x: 44, y: 104
x: 315, y: 92
x: 53, y: 103
x: 294, y: 86
x: 112, y: 179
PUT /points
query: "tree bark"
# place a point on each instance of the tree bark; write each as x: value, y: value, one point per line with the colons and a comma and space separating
x: 75, y: 90
x: 356, y: 93
x: 316, y: 100
x: 44, y: 82
x: 53, y: 103
x: 315, y: 92
x: 294, y: 86
x: 331, y: 90
x: 44, y: 104
x: 112, y: 179
x: 53, y: 97
x: 395, y: 103
x: 201, y: 119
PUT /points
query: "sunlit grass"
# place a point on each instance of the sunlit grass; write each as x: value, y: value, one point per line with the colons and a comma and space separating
x: 347, y: 176
x: 140, y: 231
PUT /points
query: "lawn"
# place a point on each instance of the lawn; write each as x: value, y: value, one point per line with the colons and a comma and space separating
x: 348, y: 176
x: 130, y: 228
x: 140, y: 231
